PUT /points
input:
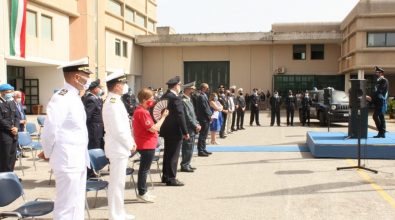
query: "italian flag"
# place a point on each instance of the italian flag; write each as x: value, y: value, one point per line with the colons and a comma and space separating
x: 18, y: 28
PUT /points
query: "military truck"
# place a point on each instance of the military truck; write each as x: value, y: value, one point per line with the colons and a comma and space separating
x: 328, y: 104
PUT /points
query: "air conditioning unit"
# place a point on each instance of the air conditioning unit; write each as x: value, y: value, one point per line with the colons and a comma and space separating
x: 280, y: 70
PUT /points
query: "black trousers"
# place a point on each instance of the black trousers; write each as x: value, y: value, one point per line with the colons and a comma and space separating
x: 201, y: 145
x: 96, y: 135
x: 170, y: 158
x: 290, y: 115
x: 379, y: 120
x: 146, y: 157
x: 233, y: 120
x: 275, y: 115
x: 187, y: 151
x: 240, y: 119
x: 223, y: 125
x: 254, y: 114
x: 306, y: 116
x: 8, y: 146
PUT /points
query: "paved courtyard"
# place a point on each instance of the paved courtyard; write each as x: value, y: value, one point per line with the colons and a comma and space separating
x: 254, y: 185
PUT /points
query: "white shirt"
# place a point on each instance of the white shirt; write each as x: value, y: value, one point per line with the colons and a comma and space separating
x: 65, y: 135
x: 118, y: 137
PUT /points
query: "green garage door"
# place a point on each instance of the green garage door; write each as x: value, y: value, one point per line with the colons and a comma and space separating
x: 214, y: 73
x: 300, y: 83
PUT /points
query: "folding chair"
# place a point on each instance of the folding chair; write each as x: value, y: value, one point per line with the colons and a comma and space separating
x: 40, y: 121
x: 12, y: 190
x: 155, y: 159
x: 25, y: 142
x: 32, y: 129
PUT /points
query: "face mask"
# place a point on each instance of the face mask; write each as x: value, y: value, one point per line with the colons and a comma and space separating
x: 215, y: 98
x: 9, y: 96
x: 276, y: 95
x: 160, y: 93
x: 87, y: 83
x: 125, y: 88
x: 19, y: 100
x: 150, y: 103
x: 100, y: 93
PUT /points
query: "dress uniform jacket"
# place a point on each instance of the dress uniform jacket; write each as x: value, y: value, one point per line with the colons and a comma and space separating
x: 118, y: 136
x: 8, y: 141
x: 380, y: 94
x: 65, y: 136
x: 94, y: 120
x: 174, y: 126
x: 190, y: 116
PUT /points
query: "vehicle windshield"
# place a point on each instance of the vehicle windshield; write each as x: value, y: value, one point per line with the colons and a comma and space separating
x: 339, y: 97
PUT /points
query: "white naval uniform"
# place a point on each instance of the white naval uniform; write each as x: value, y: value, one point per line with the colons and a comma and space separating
x: 65, y: 140
x: 118, y: 143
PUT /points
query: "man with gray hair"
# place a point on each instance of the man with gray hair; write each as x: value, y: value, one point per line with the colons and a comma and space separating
x: 233, y: 97
x: 20, y: 112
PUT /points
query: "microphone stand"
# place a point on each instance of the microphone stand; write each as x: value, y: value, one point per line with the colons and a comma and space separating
x: 359, y: 150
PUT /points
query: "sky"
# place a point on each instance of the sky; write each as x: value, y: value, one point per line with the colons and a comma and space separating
x: 219, y: 16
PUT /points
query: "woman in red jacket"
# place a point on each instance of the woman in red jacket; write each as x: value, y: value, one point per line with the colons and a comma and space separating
x: 146, y: 137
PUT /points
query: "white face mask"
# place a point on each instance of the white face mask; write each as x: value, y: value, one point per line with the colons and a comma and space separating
x: 87, y: 83
x: 19, y: 100
x: 125, y: 88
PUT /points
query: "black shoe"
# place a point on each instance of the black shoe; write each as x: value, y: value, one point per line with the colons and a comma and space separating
x: 251, y: 125
x: 207, y: 152
x: 191, y: 167
x: 164, y: 180
x: 242, y: 128
x: 258, y: 124
x: 271, y: 125
x: 202, y: 154
x: 187, y: 169
x: 174, y: 182
x: 223, y: 137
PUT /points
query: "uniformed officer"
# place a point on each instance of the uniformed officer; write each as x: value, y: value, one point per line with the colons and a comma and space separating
x: 173, y: 130
x: 94, y: 121
x: 306, y: 103
x: 119, y: 143
x: 291, y: 104
x: 9, y: 123
x: 193, y: 128
x: 379, y: 99
x: 64, y: 140
x: 254, y: 107
x: 275, y: 103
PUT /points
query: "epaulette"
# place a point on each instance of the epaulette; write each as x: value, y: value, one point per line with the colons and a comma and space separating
x: 113, y: 100
x: 63, y: 92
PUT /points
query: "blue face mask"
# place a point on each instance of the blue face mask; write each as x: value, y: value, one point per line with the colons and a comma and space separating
x: 9, y: 96
x: 215, y: 98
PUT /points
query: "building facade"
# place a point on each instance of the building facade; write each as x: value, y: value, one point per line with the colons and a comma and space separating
x: 122, y: 34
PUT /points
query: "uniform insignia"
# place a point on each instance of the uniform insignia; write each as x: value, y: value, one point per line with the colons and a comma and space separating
x: 63, y: 92
x: 113, y: 100
x: 147, y: 122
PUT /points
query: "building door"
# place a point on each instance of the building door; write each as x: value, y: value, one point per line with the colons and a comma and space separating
x: 32, y: 95
x: 214, y: 73
x: 16, y: 76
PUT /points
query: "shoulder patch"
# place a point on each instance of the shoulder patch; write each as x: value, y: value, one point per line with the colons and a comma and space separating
x: 63, y: 92
x: 113, y: 100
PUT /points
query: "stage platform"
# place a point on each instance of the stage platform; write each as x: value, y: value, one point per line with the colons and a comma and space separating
x: 336, y: 145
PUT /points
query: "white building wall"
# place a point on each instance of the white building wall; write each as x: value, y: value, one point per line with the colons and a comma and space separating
x: 4, y: 40
x: 114, y: 61
x: 50, y: 80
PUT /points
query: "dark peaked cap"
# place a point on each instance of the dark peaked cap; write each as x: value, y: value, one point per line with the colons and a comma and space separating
x: 94, y: 84
x: 378, y: 69
x: 173, y: 81
x: 190, y: 85
x: 77, y: 65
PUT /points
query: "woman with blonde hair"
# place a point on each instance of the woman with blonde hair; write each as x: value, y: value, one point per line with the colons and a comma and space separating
x: 216, y: 122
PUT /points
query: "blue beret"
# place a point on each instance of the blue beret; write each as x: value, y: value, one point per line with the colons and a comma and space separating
x: 5, y: 87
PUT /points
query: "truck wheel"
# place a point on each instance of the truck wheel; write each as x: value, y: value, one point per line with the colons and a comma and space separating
x: 322, y: 119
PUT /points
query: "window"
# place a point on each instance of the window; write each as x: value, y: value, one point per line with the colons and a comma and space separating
x: 151, y: 26
x: 114, y: 7
x: 46, y: 27
x: 31, y: 27
x: 140, y: 20
x: 299, y: 52
x: 381, y: 39
x: 129, y: 15
x: 317, y: 51
x: 125, y: 49
x: 117, y: 47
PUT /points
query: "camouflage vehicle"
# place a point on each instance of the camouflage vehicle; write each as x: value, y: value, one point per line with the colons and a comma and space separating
x: 328, y: 103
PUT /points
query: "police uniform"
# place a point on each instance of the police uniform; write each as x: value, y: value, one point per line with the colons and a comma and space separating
x: 291, y: 104
x: 306, y: 103
x: 172, y: 130
x: 275, y: 103
x: 379, y: 100
x: 118, y: 145
x: 94, y: 120
x: 8, y: 141
x: 254, y: 107
x: 64, y: 140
